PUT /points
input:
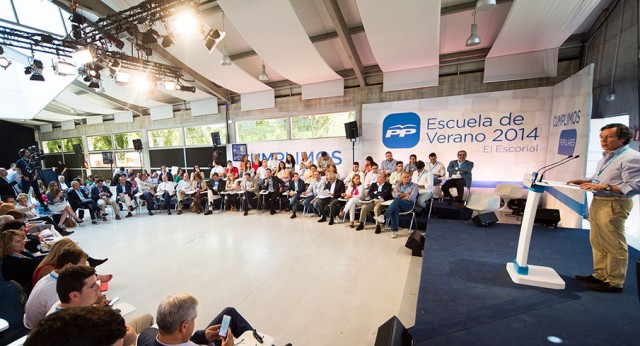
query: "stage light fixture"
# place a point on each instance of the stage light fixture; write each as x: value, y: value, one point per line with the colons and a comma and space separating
x: 263, y: 73
x: 37, y: 77
x: 4, y: 62
x: 169, y: 85
x: 186, y: 21
x: 149, y: 37
x: 82, y: 56
x: 167, y: 41
x: 64, y: 68
x: 122, y: 77
x: 473, y: 39
x: 35, y: 69
x: 212, y: 38
x: 115, y: 64
x: 93, y: 72
x: 185, y: 88
x: 94, y: 84
x: 141, y: 82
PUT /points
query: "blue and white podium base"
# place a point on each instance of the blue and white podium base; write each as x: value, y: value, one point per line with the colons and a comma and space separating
x: 537, y: 276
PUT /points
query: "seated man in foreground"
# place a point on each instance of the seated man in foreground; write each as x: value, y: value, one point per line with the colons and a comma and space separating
x: 176, y: 321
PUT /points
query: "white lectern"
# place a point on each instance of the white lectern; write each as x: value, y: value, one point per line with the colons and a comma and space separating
x: 521, y: 272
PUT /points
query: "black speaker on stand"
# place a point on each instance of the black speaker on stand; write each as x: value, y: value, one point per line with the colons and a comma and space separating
x: 393, y: 333
x: 351, y: 131
x: 137, y: 145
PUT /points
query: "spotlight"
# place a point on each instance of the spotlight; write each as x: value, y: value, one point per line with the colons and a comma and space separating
x: 93, y: 72
x: 149, y: 37
x: 186, y: 21
x: 115, y: 64
x: 169, y: 85
x: 35, y: 70
x: 94, y: 84
x: 225, y: 60
x: 212, y: 38
x: 188, y: 88
x: 263, y: 73
x: 122, y: 77
x: 4, y: 63
x: 473, y: 39
x: 64, y: 68
x: 87, y: 79
x: 37, y: 77
x: 82, y: 56
x: 37, y: 66
x: 115, y: 41
x: 142, y: 83
x: 167, y: 41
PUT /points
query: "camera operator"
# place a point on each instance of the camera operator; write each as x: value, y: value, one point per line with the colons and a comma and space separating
x: 29, y: 174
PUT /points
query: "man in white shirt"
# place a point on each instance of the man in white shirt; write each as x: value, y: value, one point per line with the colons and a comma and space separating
x: 388, y: 164
x: 183, y: 191
x: 166, y: 190
x: 44, y: 294
x: 356, y: 171
x: 425, y: 185
x: 273, y: 162
x: 216, y: 169
x: 436, y: 169
x: 310, y: 201
x: 261, y: 173
x: 146, y: 188
x: 371, y: 176
x: 395, y: 176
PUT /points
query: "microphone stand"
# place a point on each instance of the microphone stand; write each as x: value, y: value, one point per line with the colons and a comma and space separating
x: 558, y: 164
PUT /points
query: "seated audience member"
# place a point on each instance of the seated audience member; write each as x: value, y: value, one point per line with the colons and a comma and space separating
x: 17, y: 264
x: 336, y: 189
x: 166, y: 189
x: 179, y: 175
x: 371, y: 177
x: 379, y: 191
x: 33, y: 241
x: 78, y: 286
x: 133, y: 179
x: 333, y: 169
x: 81, y: 326
x: 324, y: 160
x: 256, y: 163
x: 411, y: 166
x: 44, y: 294
x: 353, y: 194
x: 305, y: 159
x: 273, y: 162
x: 404, y: 196
x: 271, y: 188
x: 248, y: 168
x: 6, y: 186
x: 63, y: 185
x: 153, y: 179
x: 436, y: 169
x: 283, y: 172
x: 184, y: 190
x: 302, y: 170
x: 388, y: 164
x: 296, y: 187
x: 261, y: 172
x: 103, y: 196
x: 48, y: 263
x: 163, y: 172
x: 58, y: 204
x: 146, y: 188
x: 216, y: 168
x: 311, y: 195
x: 355, y: 171
x: 78, y: 199
x: 216, y: 185
x: 249, y: 189
x: 395, y: 176
x: 200, y: 201
x: 459, y: 176
x: 244, y: 164
x: 124, y: 190
x: 83, y: 186
x: 309, y: 175
x: 176, y: 319
x: 91, y: 180
x: 31, y: 213
x: 231, y: 190
x: 368, y: 164
x: 119, y: 171
x: 290, y: 164
x: 196, y: 171
x: 422, y: 178
x: 231, y: 170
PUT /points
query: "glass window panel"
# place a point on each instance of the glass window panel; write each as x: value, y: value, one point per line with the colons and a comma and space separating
x: 67, y: 144
x: 41, y: 15
x: 320, y: 125
x: 99, y: 143
x: 95, y: 161
x: 201, y: 135
x: 125, y: 140
x: 50, y: 147
x: 166, y: 138
x: 262, y: 130
x: 128, y: 159
x: 6, y: 12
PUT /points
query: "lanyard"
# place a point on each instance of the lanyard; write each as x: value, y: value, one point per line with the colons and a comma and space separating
x: 404, y: 189
x: 420, y: 176
x: 613, y: 158
x: 55, y: 277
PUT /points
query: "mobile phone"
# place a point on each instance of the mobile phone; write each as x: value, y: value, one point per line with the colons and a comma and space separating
x: 113, y: 302
x: 224, y: 326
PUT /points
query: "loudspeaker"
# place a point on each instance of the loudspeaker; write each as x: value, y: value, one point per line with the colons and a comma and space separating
x: 215, y: 139
x: 393, y: 333
x: 107, y: 158
x: 451, y: 212
x: 415, y: 243
x: 351, y: 129
x: 485, y: 220
x: 547, y: 217
x: 77, y: 149
x: 137, y: 144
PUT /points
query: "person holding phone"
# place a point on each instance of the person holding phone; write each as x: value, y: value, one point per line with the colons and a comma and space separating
x: 176, y: 323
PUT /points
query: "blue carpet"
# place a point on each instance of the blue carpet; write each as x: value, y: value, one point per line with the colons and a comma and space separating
x: 466, y: 296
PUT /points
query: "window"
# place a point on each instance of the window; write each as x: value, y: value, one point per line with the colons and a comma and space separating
x: 67, y: 144
x: 262, y: 130
x: 6, y: 12
x: 50, y: 147
x: 127, y: 159
x: 125, y: 140
x: 42, y: 15
x: 95, y: 161
x: 201, y: 135
x: 166, y: 138
x: 100, y: 143
x: 320, y: 125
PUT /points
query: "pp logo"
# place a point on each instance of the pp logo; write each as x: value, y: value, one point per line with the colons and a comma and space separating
x: 567, y: 142
x: 401, y: 130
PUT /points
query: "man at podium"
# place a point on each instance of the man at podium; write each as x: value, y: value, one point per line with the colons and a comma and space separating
x: 615, y: 181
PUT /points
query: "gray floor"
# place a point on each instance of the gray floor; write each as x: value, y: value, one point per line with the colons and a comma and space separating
x: 297, y: 280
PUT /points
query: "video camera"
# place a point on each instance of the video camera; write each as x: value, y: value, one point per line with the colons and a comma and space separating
x: 35, y: 158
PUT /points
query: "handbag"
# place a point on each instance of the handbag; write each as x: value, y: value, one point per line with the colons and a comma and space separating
x: 68, y: 223
x: 58, y: 207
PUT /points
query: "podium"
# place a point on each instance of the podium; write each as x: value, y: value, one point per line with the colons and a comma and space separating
x: 520, y: 271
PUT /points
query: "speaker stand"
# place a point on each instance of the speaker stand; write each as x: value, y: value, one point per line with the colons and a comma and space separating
x: 353, y: 149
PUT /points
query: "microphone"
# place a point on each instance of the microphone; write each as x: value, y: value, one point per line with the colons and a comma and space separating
x: 558, y: 164
x: 537, y: 173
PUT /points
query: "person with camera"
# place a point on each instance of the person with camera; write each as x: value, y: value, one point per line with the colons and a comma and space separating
x: 27, y: 165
